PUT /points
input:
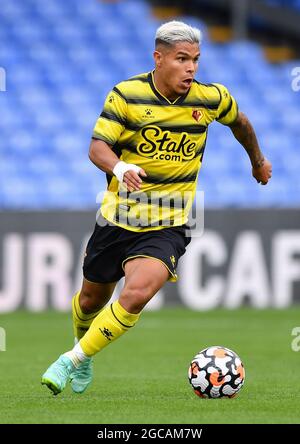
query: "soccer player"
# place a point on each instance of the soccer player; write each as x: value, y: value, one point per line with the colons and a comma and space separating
x: 150, y: 140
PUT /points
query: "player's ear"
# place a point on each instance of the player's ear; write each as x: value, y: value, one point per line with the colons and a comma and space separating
x: 157, y: 58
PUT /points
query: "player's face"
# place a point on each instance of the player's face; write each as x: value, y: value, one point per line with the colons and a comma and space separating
x: 176, y: 67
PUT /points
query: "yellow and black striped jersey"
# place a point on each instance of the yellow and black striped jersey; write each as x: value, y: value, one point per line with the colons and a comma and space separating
x: 167, y: 139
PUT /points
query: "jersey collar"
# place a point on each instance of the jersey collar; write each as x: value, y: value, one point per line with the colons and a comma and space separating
x: 161, y: 97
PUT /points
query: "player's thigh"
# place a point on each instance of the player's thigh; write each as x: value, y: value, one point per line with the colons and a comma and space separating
x: 143, y: 278
x: 94, y: 296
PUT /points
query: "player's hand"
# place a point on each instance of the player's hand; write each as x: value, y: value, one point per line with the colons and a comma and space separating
x: 263, y: 173
x: 129, y: 174
x: 133, y: 180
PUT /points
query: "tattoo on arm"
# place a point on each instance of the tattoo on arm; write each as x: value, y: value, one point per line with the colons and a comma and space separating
x: 243, y: 131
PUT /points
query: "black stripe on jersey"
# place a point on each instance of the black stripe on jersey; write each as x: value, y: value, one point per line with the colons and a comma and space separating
x: 167, y: 201
x: 226, y: 110
x: 154, y: 102
x: 100, y: 137
x: 168, y: 180
x: 143, y: 79
x: 202, y: 104
x: 193, y: 129
x: 201, y: 149
x: 131, y: 127
x: 116, y: 90
x: 128, y: 146
x: 110, y: 116
x: 142, y: 101
x: 160, y: 223
x: 218, y: 89
x: 165, y: 223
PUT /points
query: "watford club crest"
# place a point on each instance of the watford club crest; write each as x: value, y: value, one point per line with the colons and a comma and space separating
x: 197, y: 114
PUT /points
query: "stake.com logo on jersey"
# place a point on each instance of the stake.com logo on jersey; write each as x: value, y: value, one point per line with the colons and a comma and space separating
x: 159, y: 144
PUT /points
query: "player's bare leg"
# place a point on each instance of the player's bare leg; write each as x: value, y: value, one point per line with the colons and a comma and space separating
x: 88, y: 303
x: 143, y: 278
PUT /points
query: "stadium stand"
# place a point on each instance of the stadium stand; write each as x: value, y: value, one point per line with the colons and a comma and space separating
x: 62, y: 58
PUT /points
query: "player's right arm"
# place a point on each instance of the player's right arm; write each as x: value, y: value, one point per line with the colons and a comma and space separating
x: 102, y: 155
x: 107, y: 131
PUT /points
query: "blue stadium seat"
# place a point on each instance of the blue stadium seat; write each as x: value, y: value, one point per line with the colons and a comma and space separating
x: 62, y: 59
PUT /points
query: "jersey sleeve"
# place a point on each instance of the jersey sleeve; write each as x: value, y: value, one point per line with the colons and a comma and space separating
x: 112, y: 120
x: 228, y: 108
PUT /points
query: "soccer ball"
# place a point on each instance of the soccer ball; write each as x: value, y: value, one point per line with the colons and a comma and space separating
x: 216, y: 372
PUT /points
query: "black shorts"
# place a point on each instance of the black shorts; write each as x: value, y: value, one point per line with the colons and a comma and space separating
x: 110, y: 246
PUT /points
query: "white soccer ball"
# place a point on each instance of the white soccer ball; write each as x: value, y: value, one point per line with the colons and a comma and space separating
x: 216, y: 372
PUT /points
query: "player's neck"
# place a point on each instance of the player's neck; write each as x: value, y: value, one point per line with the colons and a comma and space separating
x: 163, y: 89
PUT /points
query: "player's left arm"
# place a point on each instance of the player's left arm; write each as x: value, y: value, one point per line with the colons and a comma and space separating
x: 243, y: 131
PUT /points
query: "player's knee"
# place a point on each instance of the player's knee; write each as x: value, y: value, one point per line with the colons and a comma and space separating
x: 134, y: 299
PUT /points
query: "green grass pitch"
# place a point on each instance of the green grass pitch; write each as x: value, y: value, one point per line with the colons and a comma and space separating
x: 142, y: 377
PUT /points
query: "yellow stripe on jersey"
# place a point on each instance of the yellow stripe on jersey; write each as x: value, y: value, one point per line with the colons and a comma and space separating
x: 167, y: 139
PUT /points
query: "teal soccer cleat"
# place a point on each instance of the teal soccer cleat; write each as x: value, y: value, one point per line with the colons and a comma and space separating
x: 82, y: 376
x: 58, y: 374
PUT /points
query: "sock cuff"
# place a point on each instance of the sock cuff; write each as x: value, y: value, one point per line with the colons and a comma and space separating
x: 126, y: 319
x: 77, y: 312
